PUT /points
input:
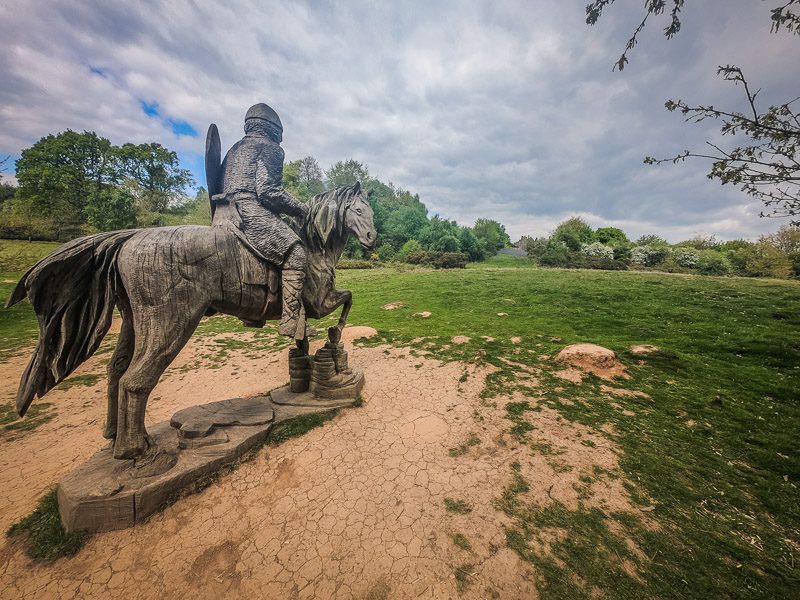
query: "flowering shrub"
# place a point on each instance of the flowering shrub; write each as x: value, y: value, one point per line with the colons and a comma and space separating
x: 686, y: 257
x: 597, y: 249
x: 649, y: 255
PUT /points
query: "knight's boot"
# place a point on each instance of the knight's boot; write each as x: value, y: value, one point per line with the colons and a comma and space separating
x: 292, y: 316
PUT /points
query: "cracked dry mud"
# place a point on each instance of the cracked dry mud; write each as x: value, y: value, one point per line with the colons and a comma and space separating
x: 351, y: 509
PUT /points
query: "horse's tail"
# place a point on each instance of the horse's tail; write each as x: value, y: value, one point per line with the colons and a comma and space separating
x: 73, y: 291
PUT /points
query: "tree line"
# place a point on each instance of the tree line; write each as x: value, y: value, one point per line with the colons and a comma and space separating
x: 73, y: 184
x: 405, y: 231
x: 574, y: 244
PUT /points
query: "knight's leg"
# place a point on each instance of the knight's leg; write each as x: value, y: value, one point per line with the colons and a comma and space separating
x: 293, y: 275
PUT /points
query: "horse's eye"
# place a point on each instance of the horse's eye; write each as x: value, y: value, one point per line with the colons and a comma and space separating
x: 358, y: 211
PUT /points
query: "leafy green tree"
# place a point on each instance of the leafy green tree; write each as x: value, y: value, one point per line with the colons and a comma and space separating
x: 651, y: 240
x: 310, y: 176
x: 447, y: 243
x: 403, y: 224
x: 766, y: 167
x: 111, y: 208
x: 610, y: 236
x: 7, y: 193
x: 346, y: 173
x: 157, y: 173
x: 573, y: 233
x: 700, y: 242
x: 59, y: 173
x: 436, y: 229
x: 491, y: 235
x: 291, y: 180
x: 470, y: 245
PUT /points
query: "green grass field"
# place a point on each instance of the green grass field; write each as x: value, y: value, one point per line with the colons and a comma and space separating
x: 724, y: 491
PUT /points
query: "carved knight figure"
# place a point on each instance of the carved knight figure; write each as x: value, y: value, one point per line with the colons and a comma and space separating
x: 250, y: 183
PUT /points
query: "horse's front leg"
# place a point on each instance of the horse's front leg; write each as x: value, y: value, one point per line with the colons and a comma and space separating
x: 348, y: 303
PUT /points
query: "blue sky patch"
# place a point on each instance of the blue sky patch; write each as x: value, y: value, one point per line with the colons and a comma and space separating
x: 97, y: 71
x: 181, y: 128
x: 151, y: 110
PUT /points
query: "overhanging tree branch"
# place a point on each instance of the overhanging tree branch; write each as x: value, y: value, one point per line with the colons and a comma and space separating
x: 769, y: 167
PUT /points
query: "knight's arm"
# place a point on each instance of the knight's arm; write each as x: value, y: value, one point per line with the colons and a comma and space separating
x: 272, y: 194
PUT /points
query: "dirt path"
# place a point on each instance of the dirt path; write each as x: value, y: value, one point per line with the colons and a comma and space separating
x: 352, y: 509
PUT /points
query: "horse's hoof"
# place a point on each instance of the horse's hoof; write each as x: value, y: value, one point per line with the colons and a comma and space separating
x: 110, y: 432
x: 334, y: 334
x: 124, y: 452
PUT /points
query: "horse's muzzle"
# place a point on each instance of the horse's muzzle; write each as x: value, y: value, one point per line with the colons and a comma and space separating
x: 370, y: 243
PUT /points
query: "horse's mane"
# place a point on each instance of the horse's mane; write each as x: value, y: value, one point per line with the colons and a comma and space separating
x: 325, y: 217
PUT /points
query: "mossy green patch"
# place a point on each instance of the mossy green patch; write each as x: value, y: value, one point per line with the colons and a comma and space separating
x: 79, y: 380
x: 457, y: 506
x: 38, y: 414
x: 44, y: 534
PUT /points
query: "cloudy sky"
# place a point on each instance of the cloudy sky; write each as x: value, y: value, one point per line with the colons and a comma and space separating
x: 503, y: 109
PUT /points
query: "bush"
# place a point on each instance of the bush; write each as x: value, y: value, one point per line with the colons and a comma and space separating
x: 670, y: 265
x: 410, y: 247
x: 385, y: 252
x: 440, y: 260
x: 622, y: 251
x: 580, y: 261
x: 417, y: 257
x: 686, y: 257
x: 447, y: 243
x: 765, y: 260
x: 711, y: 262
x: 450, y: 260
x: 354, y: 263
x: 554, y: 255
x: 649, y: 255
x: 598, y: 250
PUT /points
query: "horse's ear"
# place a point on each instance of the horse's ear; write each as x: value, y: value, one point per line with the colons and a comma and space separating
x: 357, y: 187
x: 325, y: 220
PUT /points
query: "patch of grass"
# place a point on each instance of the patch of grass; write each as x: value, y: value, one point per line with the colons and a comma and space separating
x: 87, y: 380
x: 38, y: 414
x: 358, y: 402
x: 545, y: 449
x: 521, y: 427
x: 297, y: 426
x: 463, y: 574
x: 44, y: 534
x: 460, y: 540
x: 379, y: 590
x: 457, y: 506
x: 463, y: 448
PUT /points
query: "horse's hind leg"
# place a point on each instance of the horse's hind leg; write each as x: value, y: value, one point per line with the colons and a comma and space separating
x: 120, y: 361
x: 155, y: 346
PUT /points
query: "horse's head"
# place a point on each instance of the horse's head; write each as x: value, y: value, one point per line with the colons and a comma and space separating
x: 336, y: 214
x: 358, y: 218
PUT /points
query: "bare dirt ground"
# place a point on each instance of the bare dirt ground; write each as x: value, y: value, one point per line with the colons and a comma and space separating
x: 353, y: 509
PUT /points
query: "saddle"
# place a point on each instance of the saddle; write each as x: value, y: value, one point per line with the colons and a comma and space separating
x: 256, y: 269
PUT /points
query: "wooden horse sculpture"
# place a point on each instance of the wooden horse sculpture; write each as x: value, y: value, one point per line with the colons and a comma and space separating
x: 163, y: 281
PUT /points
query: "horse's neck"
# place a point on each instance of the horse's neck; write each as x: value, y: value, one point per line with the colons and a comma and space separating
x: 330, y: 253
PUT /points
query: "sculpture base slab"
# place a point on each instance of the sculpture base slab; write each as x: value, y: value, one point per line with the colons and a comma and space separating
x: 104, y: 493
x: 341, y: 392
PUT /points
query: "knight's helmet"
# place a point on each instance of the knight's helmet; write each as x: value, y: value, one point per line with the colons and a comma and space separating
x: 265, y: 113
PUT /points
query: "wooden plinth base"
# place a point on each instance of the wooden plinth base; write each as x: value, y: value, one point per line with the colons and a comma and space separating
x: 105, y: 494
